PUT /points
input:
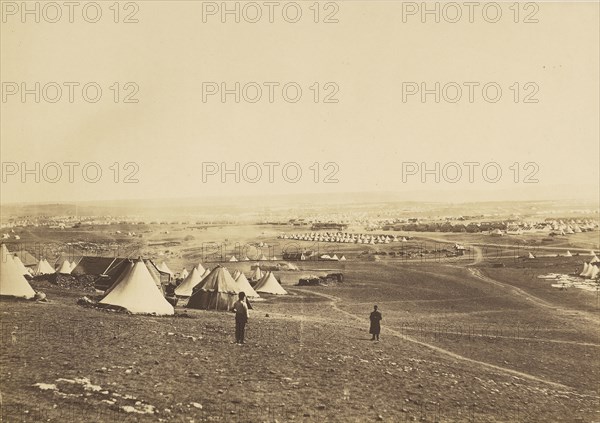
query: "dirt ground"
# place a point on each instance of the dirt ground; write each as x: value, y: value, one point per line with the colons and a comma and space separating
x: 461, y: 342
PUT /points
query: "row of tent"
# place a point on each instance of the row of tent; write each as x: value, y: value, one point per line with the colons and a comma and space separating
x: 345, y: 237
x: 43, y: 267
x: 198, y: 280
x: 233, y: 258
x: 568, y: 254
x: 136, y: 291
x: 333, y: 258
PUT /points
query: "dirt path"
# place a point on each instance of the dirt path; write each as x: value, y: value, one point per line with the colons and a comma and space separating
x: 537, y: 301
x: 334, y: 304
x: 549, y: 248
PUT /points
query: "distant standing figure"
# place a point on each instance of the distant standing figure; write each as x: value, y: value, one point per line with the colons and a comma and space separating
x: 375, y: 328
x: 240, y: 308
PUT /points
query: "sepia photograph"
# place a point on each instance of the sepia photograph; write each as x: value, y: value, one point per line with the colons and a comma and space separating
x: 303, y: 211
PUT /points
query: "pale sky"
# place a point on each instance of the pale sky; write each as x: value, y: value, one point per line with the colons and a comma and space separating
x: 368, y: 133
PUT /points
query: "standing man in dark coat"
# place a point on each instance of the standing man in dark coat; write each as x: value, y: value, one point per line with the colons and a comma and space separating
x: 240, y: 308
x: 375, y: 328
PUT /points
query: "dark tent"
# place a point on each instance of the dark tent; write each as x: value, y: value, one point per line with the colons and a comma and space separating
x: 217, y: 291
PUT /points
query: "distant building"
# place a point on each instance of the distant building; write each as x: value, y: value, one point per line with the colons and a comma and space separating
x: 335, y: 226
x: 294, y: 256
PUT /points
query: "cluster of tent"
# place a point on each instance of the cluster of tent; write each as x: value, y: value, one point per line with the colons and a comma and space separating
x: 233, y: 258
x: 344, y: 237
x: 137, y: 290
x: 557, y: 227
x: 591, y: 269
x: 67, y: 267
x: 193, y: 278
x: 333, y: 258
x: 218, y: 289
x: 571, y: 227
x: 43, y: 267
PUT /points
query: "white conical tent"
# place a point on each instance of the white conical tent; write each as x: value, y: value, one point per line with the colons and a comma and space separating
x: 73, y: 265
x: 269, y: 285
x: 232, y: 258
x: 184, y: 273
x: 594, y: 259
x: 164, y: 268
x: 585, y: 269
x: 594, y: 271
x: 292, y: 266
x: 245, y: 287
x: 591, y: 269
x: 531, y: 256
x: 235, y: 274
x: 335, y: 257
x: 43, y: 268
x: 201, y: 268
x: 256, y: 274
x: 12, y: 282
x: 22, y: 269
x: 186, y: 287
x: 568, y: 254
x: 343, y: 258
x: 65, y: 268
x: 136, y: 291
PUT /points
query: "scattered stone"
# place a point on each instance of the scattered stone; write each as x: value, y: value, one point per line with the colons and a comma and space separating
x: 46, y: 386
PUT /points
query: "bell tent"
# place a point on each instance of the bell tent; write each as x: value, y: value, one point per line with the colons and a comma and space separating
x: 136, y: 291
x: 65, y: 268
x: 186, y: 287
x: 12, y: 281
x: 217, y: 291
x: 43, y: 268
x: 269, y: 285
x: 245, y: 287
